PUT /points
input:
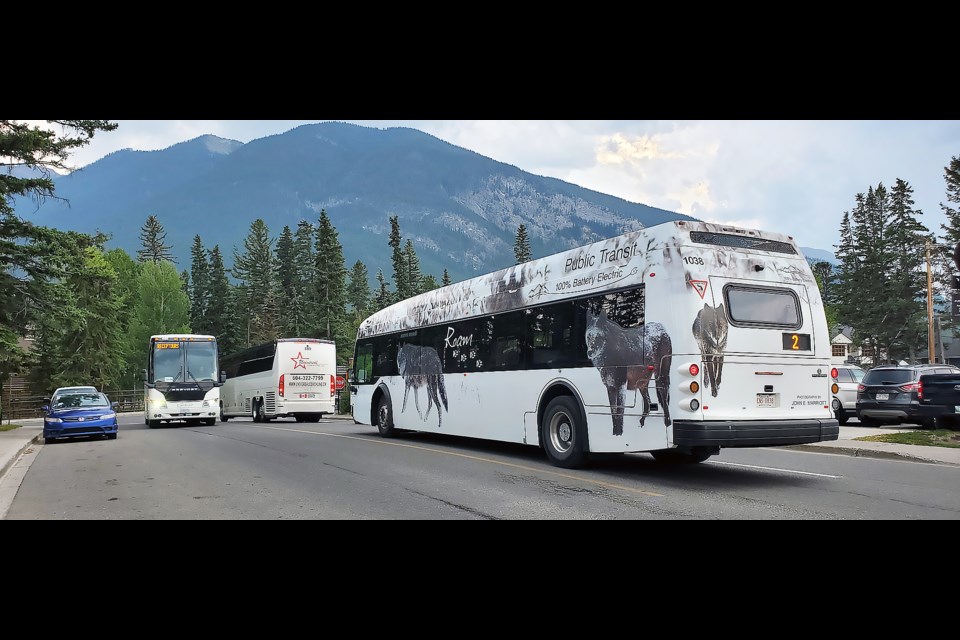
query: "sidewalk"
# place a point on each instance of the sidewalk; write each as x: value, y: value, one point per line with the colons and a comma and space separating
x: 13, y: 443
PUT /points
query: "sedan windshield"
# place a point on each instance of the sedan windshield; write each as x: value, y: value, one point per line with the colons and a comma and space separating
x: 81, y: 401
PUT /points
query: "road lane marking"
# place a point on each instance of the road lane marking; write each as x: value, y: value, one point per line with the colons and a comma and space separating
x: 608, y: 485
x: 753, y: 466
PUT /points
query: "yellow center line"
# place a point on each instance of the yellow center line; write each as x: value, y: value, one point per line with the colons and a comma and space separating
x: 568, y: 476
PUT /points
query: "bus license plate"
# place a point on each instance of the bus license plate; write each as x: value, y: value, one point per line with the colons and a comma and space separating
x: 766, y: 400
x: 307, y: 396
x: 883, y: 396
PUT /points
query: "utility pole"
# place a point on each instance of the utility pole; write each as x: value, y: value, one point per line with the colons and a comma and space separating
x: 930, y: 352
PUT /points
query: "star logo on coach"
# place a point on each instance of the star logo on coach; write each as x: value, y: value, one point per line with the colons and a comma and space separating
x: 299, y: 360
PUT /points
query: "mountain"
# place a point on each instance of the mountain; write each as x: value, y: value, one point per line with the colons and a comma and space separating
x: 818, y: 255
x: 461, y: 209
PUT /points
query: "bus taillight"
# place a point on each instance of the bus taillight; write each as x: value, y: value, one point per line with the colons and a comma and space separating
x: 333, y: 386
x: 281, y: 385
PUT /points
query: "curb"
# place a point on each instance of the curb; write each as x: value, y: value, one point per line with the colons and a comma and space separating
x: 13, y: 459
x: 858, y: 452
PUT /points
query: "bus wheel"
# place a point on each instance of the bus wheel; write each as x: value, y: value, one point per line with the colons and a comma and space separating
x: 259, y: 414
x: 223, y: 418
x: 672, y: 456
x: 153, y: 424
x: 385, y: 418
x: 563, y: 433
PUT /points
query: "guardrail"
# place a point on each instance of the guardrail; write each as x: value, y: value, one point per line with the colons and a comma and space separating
x: 29, y: 406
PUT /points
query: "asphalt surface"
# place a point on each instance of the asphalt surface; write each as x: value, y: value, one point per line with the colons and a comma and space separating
x: 336, y: 469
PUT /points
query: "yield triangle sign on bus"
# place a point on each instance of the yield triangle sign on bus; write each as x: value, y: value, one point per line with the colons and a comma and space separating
x: 700, y: 286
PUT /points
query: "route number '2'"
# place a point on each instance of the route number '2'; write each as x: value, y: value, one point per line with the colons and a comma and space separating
x: 796, y: 342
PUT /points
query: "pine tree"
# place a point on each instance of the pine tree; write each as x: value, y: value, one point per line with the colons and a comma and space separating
x: 521, y: 246
x: 330, y: 286
x: 217, y: 302
x: 414, y: 276
x: 200, y: 286
x: 185, y: 282
x: 446, y: 279
x: 429, y: 283
x: 301, y: 311
x: 383, y: 298
x: 403, y: 289
x: 949, y: 244
x: 358, y: 291
x: 255, y: 270
x: 152, y: 237
x: 907, y: 282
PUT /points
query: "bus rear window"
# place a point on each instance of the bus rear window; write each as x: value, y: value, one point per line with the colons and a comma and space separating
x: 762, y: 307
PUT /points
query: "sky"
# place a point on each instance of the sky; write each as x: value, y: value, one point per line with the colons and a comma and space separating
x: 796, y: 176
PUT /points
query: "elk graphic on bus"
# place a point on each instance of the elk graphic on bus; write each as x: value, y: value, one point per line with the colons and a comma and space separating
x: 627, y: 360
x: 710, y: 329
x: 421, y: 367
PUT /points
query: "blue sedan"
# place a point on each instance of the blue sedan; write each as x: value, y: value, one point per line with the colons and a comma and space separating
x: 80, y: 414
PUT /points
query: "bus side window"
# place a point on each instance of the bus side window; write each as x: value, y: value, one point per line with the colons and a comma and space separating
x: 509, y: 344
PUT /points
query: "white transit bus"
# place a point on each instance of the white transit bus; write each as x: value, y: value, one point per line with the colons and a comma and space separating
x: 285, y: 377
x: 676, y: 340
x: 181, y: 381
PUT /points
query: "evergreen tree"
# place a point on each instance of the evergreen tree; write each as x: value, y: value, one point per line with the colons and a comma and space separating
x: 382, y: 298
x: 521, y: 246
x: 152, y: 237
x: 907, y: 281
x: 185, y: 282
x: 398, y: 258
x: 217, y: 316
x: 950, y: 240
x: 302, y: 311
x: 329, y: 277
x: 412, y: 267
x: 32, y: 256
x: 446, y: 279
x: 358, y: 290
x: 199, y: 286
x: 429, y: 283
x: 255, y: 270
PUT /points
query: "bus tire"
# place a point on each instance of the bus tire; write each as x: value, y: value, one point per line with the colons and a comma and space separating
x: 223, y: 418
x: 153, y: 424
x: 209, y: 421
x: 563, y: 433
x: 259, y: 412
x: 385, y: 418
x: 672, y: 456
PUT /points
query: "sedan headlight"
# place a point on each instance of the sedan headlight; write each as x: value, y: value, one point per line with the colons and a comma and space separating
x: 108, y: 416
x: 54, y: 420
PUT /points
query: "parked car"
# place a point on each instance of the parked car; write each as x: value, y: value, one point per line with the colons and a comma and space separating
x: 844, y: 380
x: 62, y: 390
x: 889, y: 394
x: 80, y: 414
x: 940, y: 399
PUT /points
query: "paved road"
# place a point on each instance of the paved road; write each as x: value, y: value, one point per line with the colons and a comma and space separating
x: 339, y: 470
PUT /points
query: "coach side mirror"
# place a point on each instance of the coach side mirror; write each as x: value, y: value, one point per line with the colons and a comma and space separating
x: 223, y: 377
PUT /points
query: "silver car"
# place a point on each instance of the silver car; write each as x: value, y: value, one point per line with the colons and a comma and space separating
x: 844, y: 380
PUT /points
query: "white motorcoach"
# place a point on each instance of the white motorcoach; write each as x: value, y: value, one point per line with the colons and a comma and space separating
x: 181, y: 381
x: 285, y: 377
x: 677, y: 340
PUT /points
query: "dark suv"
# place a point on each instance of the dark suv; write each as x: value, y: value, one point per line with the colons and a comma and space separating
x: 889, y: 394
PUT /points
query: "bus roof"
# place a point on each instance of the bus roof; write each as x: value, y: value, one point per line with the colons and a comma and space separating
x: 182, y: 336
x: 617, y: 262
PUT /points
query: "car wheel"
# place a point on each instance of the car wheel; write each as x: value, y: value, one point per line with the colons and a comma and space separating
x: 47, y: 440
x: 385, y: 418
x: 842, y: 418
x: 111, y: 436
x: 869, y: 422
x: 563, y: 433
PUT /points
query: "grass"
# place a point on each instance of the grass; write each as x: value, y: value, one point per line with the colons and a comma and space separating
x: 9, y: 427
x: 938, y: 438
